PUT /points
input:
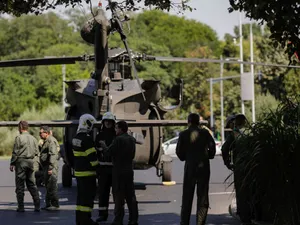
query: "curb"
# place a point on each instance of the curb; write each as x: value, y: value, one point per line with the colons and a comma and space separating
x: 232, y: 212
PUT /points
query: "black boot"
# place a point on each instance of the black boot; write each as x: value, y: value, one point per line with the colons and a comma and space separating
x: 102, y: 216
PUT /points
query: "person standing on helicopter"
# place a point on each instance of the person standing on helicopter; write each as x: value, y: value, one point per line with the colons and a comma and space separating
x: 86, y: 166
x: 107, y: 134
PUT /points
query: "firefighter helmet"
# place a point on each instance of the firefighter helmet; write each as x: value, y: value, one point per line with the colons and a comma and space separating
x: 109, y: 116
x: 86, y: 122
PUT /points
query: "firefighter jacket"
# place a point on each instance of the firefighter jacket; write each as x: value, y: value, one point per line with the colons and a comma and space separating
x: 195, y: 146
x: 85, y: 155
x: 49, y: 153
x: 122, y: 152
x: 25, y: 147
x: 106, y: 135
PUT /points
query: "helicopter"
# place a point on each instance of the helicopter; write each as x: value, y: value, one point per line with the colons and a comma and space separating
x: 114, y: 86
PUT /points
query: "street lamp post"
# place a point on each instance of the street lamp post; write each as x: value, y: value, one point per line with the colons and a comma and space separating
x: 222, y: 101
x: 241, y: 55
x: 211, y: 104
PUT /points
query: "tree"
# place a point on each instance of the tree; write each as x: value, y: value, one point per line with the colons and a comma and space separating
x: 281, y: 17
x: 38, y: 6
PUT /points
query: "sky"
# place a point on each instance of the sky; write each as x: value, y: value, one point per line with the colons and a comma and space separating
x: 211, y: 12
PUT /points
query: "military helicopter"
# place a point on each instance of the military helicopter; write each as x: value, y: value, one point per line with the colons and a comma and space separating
x: 111, y: 88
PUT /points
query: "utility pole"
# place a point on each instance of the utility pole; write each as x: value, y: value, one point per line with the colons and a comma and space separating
x: 222, y: 101
x: 63, y: 89
x: 252, y: 74
x: 241, y: 56
x: 211, y: 103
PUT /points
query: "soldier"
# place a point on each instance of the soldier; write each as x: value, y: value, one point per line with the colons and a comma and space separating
x: 106, y: 134
x: 24, y: 151
x: 48, y: 160
x: 196, y: 147
x: 122, y: 151
x: 86, y: 166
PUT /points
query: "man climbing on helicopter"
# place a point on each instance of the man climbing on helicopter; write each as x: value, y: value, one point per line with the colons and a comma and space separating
x: 86, y: 167
x: 107, y: 134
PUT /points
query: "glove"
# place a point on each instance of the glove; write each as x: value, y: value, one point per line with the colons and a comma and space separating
x: 102, y: 146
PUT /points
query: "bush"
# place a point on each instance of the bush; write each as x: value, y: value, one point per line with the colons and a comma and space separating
x: 268, y: 156
x: 52, y: 112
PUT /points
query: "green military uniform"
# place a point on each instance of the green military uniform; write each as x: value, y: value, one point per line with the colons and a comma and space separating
x: 48, y: 160
x: 24, y: 151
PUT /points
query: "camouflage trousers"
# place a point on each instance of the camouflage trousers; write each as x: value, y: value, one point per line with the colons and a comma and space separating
x: 51, y: 188
x: 24, y: 173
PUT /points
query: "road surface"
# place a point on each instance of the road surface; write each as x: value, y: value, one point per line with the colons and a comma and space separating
x: 158, y: 204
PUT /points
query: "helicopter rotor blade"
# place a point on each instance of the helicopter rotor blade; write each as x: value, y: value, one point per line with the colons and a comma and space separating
x: 73, y: 123
x: 202, y: 60
x: 45, y: 61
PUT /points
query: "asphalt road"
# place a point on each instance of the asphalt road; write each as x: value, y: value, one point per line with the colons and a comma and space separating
x: 158, y: 204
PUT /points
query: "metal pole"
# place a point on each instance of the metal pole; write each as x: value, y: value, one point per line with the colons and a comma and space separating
x: 252, y: 74
x: 222, y: 102
x: 241, y: 55
x: 211, y: 103
x: 63, y: 88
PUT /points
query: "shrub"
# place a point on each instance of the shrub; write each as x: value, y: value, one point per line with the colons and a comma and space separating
x: 268, y: 156
x: 52, y: 112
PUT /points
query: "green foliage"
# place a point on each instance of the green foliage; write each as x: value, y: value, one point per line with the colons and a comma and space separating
x: 52, y: 112
x: 281, y: 18
x: 265, y: 104
x: 270, y: 149
x: 38, y: 6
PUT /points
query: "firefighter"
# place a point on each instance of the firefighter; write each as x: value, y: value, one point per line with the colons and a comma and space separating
x: 22, y: 160
x: 49, y: 162
x: 196, y: 147
x: 107, y: 134
x: 86, y: 166
x: 122, y: 151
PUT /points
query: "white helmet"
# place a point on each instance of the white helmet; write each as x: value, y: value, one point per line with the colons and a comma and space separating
x: 108, y: 116
x: 86, y: 122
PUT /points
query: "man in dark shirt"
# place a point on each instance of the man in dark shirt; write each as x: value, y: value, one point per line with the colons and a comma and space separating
x: 122, y: 151
x: 196, y: 147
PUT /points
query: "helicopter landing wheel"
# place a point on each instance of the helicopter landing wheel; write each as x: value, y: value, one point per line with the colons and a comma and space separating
x: 66, y: 176
x: 167, y: 171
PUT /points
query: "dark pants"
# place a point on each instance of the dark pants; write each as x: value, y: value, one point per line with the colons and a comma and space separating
x: 51, y: 188
x: 123, y: 189
x: 195, y: 175
x: 24, y: 173
x: 242, y: 198
x: 86, y: 192
x: 104, y: 186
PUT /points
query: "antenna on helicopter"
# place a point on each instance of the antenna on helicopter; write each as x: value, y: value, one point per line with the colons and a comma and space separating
x: 117, y: 25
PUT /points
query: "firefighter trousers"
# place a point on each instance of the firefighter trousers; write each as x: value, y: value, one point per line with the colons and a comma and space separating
x: 123, y: 189
x: 195, y: 176
x: 104, y: 186
x: 86, y: 192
